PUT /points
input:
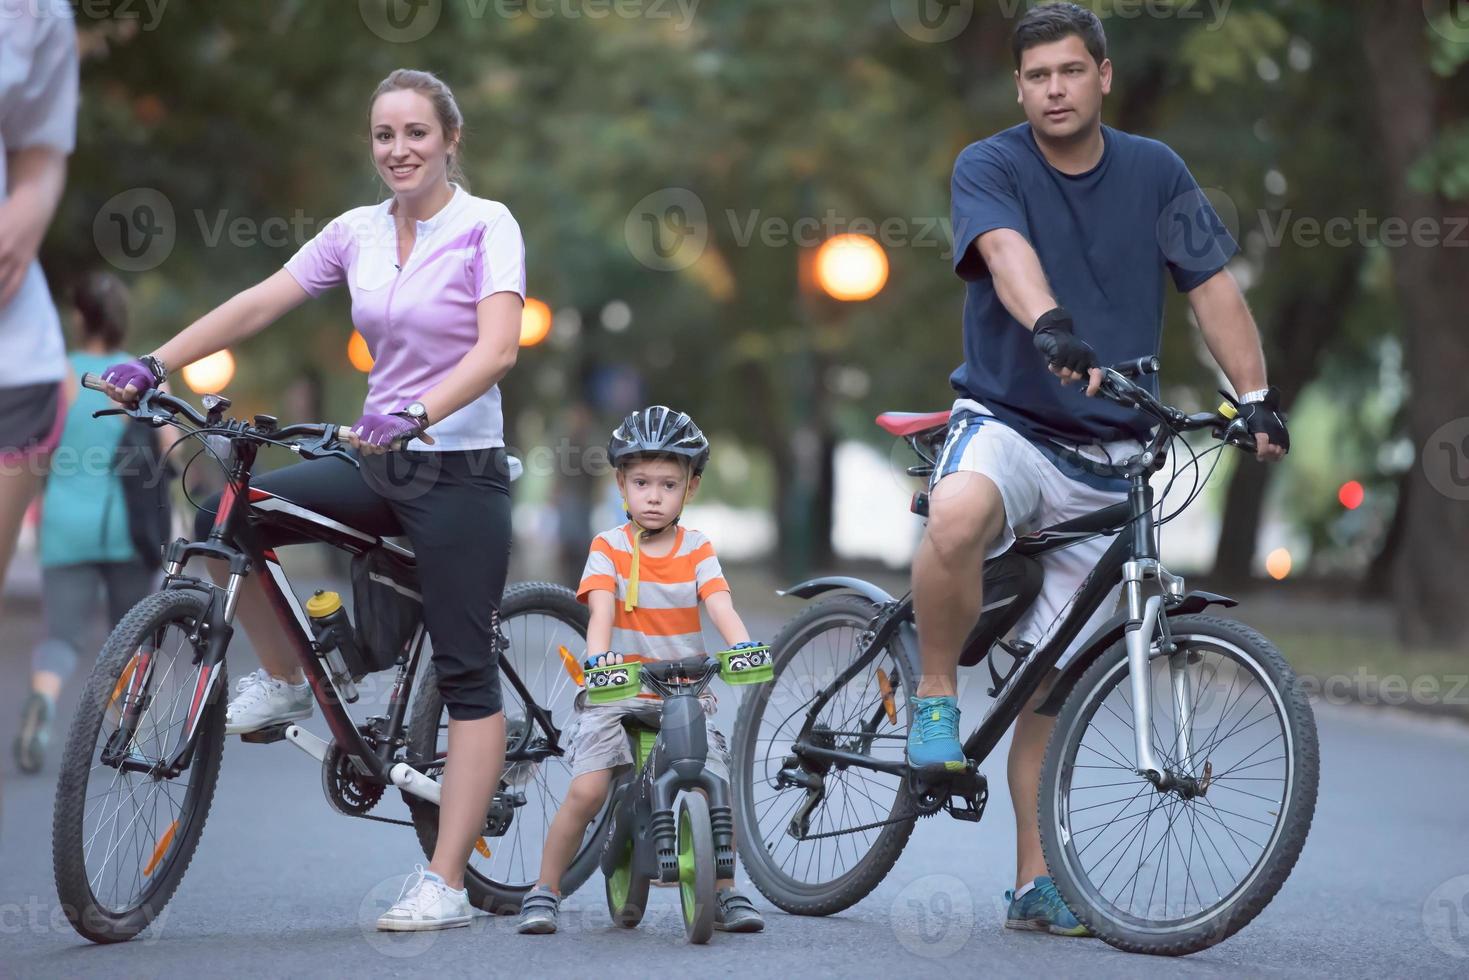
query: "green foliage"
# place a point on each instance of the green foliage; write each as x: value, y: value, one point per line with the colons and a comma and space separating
x: 1444, y: 170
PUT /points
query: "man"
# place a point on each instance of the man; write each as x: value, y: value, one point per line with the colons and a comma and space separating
x: 1064, y: 230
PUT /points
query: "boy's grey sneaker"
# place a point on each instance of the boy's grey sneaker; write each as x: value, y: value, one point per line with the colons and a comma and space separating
x: 538, y: 912
x: 733, y: 912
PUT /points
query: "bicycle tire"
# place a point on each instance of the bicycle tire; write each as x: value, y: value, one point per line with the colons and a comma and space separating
x: 696, y: 868
x: 1270, y: 870
x: 486, y: 893
x: 175, y: 848
x: 844, y: 891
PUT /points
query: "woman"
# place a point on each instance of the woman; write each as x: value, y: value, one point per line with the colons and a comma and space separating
x: 437, y: 281
x: 86, y: 541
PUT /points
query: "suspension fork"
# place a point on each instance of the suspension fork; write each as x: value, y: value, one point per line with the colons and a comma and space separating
x: 1142, y: 618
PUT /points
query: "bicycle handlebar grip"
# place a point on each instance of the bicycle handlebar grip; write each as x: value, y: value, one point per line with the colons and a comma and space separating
x: 90, y: 380
x: 1139, y: 367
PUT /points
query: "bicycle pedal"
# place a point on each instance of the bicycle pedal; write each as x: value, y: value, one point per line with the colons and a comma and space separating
x: 265, y: 736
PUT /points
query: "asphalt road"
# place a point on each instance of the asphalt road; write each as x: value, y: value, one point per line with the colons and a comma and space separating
x: 282, y: 886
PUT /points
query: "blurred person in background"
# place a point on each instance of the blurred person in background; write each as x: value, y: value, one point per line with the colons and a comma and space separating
x: 91, y: 540
x: 38, y: 101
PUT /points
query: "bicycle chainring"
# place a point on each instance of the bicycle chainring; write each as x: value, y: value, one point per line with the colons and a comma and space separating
x: 348, y: 791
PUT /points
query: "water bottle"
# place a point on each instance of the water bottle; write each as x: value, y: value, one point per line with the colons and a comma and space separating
x: 335, y: 641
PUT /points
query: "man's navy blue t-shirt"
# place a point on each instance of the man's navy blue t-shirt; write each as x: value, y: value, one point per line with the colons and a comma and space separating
x: 1105, y: 239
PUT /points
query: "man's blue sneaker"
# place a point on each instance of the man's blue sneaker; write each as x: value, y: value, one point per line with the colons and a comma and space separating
x: 1041, y: 910
x: 933, y: 738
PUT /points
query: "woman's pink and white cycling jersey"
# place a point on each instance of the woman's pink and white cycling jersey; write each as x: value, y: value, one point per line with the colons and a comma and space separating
x: 419, y: 321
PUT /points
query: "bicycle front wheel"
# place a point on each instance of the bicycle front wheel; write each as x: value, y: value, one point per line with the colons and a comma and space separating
x: 1176, y: 870
x: 810, y: 850
x: 124, y: 829
x: 538, y: 619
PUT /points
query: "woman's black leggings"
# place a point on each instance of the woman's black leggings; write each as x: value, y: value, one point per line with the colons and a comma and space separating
x: 455, y: 509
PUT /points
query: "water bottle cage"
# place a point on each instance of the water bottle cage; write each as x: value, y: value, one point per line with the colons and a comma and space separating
x: 1020, y: 650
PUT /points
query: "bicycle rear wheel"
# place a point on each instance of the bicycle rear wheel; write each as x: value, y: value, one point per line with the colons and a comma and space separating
x: 1173, y: 872
x: 537, y: 619
x: 123, y: 833
x: 863, y: 818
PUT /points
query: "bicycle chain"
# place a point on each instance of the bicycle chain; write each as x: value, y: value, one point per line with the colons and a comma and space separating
x: 866, y: 826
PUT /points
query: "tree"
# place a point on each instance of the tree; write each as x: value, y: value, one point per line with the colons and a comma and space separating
x: 1419, y: 113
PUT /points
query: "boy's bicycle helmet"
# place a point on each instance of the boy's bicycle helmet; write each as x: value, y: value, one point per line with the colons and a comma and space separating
x: 659, y: 431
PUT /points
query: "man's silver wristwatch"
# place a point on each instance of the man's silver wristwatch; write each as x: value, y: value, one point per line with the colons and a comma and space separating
x: 1258, y: 395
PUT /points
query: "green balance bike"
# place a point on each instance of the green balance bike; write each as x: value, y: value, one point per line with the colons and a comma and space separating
x: 646, y: 840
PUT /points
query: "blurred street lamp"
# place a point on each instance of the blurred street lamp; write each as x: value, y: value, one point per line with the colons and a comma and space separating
x: 358, y: 354
x: 851, y: 268
x: 535, y: 322
x: 210, y: 374
x: 1278, y: 564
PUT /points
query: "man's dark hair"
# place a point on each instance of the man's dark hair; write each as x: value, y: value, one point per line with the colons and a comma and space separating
x: 1055, y: 21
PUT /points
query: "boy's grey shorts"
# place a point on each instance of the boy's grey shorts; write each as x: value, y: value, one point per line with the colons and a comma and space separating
x: 598, y: 740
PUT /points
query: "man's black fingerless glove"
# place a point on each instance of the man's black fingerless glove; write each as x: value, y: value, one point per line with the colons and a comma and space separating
x: 1055, y: 338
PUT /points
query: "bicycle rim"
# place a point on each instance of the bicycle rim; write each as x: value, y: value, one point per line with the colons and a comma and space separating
x: 855, y: 798
x: 134, y: 822
x: 1155, y: 861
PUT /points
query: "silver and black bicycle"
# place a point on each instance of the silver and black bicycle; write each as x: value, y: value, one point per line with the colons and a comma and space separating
x: 1179, y: 782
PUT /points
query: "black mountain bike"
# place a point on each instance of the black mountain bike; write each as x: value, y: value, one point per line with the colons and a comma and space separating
x: 1179, y: 782
x: 143, y: 754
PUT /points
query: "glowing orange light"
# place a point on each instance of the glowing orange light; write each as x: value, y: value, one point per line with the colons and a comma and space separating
x: 851, y: 268
x: 1351, y: 495
x: 358, y: 354
x: 212, y: 374
x: 535, y: 323
x: 1277, y: 564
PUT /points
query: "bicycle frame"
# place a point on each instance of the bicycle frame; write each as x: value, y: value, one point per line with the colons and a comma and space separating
x: 233, y: 539
x: 1130, y: 561
x: 642, y: 806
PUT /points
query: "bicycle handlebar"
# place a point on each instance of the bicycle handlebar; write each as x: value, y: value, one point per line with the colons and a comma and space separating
x: 157, y: 407
x: 1118, y: 387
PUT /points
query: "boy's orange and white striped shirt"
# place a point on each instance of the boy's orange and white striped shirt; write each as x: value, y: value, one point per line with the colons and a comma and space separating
x: 664, y: 622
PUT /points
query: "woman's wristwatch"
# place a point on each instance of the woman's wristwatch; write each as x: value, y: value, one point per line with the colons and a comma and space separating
x: 417, y: 414
x: 156, y: 366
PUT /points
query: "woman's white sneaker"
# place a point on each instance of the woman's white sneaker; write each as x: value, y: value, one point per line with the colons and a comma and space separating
x: 426, y: 904
x: 262, y: 700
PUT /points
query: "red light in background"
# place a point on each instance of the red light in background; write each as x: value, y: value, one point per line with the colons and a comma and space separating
x: 1351, y: 495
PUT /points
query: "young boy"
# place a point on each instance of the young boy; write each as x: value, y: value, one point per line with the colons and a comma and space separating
x: 644, y: 581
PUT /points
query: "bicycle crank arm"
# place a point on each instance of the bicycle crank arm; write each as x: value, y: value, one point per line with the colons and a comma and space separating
x: 312, y: 745
x: 414, y: 783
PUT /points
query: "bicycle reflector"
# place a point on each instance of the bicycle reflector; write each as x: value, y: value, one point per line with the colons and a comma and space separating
x: 573, y: 669
x: 614, y: 683
x: 751, y: 665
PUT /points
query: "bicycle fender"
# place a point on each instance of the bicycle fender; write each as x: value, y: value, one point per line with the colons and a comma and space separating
x: 831, y: 583
x: 1112, y: 631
